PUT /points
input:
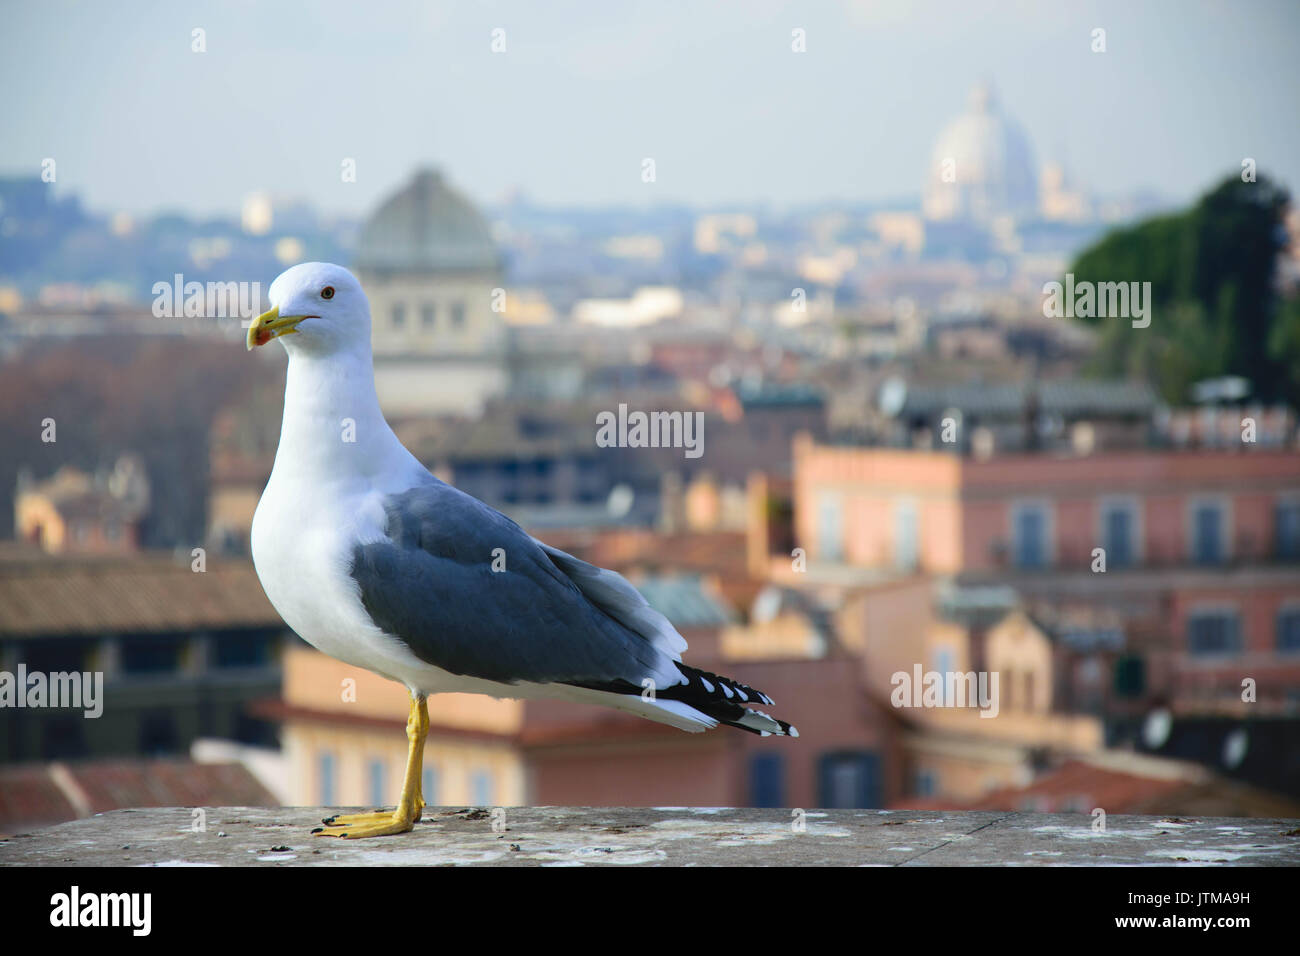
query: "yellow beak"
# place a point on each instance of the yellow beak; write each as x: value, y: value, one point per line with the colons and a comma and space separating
x: 270, y: 325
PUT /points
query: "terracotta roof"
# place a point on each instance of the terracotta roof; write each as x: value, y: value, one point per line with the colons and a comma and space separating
x: 150, y: 593
x: 1076, y: 783
x: 29, y: 795
x: 1144, y: 787
x: 35, y: 794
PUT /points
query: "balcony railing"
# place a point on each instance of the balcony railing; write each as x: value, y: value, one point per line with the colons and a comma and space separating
x: 1244, y: 554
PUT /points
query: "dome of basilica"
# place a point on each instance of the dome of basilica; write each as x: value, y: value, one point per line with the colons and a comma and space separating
x: 982, y: 167
x: 427, y: 227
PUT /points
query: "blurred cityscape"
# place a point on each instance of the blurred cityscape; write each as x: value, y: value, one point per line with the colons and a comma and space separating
x: 909, y: 466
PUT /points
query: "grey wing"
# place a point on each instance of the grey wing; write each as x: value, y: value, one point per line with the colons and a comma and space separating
x: 469, y: 591
x: 615, y: 595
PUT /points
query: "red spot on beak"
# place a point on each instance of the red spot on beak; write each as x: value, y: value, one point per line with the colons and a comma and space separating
x: 263, y: 336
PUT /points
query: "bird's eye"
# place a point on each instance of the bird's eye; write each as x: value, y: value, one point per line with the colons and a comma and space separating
x: 327, y: 292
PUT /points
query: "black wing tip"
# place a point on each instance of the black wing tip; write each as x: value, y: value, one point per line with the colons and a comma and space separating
x: 784, y: 729
x: 724, y: 699
x: 718, y: 688
x: 720, y: 698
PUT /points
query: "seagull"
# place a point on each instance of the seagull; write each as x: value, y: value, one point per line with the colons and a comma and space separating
x: 374, y: 561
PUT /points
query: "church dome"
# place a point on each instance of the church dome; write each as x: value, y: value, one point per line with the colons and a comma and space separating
x: 426, y: 227
x: 989, y: 165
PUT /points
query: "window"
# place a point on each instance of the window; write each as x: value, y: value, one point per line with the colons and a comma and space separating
x: 1207, y: 533
x: 256, y: 732
x: 151, y: 655
x: 55, y: 655
x: 849, y: 780
x: 481, y: 788
x: 925, y: 783
x: 767, y: 780
x: 1213, y: 632
x: 1288, y: 630
x: 429, y: 785
x: 1286, y: 530
x: 158, y: 733
x: 428, y: 315
x: 1130, y: 676
x: 1117, y: 535
x: 1029, y: 542
x: 326, y: 770
x: 458, y: 315
x: 830, y: 545
x: 905, y: 536
x: 399, y: 315
x: 376, y: 774
x: 943, y: 666
x: 63, y: 738
x: 234, y: 649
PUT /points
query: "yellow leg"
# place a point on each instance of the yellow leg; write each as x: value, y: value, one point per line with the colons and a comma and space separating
x: 356, y: 825
x: 421, y: 705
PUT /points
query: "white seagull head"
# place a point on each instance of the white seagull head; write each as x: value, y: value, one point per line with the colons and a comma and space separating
x: 321, y: 306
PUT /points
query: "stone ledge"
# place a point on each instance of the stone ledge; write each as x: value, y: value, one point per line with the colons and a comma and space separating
x: 570, y: 836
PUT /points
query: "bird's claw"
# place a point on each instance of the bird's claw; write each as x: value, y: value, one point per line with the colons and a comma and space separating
x: 354, y: 826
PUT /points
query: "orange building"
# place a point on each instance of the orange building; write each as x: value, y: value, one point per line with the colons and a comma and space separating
x: 78, y: 513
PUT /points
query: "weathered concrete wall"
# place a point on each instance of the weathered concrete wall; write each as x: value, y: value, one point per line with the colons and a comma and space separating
x: 568, y: 836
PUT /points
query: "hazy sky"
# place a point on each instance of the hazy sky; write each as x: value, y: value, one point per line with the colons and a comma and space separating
x: 584, y: 91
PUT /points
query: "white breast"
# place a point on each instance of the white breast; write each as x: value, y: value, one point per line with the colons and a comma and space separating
x: 302, y: 546
x: 325, y: 496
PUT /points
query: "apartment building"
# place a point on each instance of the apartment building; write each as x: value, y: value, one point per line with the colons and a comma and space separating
x: 1186, y: 560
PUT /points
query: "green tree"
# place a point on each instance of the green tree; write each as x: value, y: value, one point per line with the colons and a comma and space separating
x: 1215, y: 308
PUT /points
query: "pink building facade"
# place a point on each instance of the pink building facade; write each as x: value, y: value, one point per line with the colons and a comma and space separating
x: 1194, y: 555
